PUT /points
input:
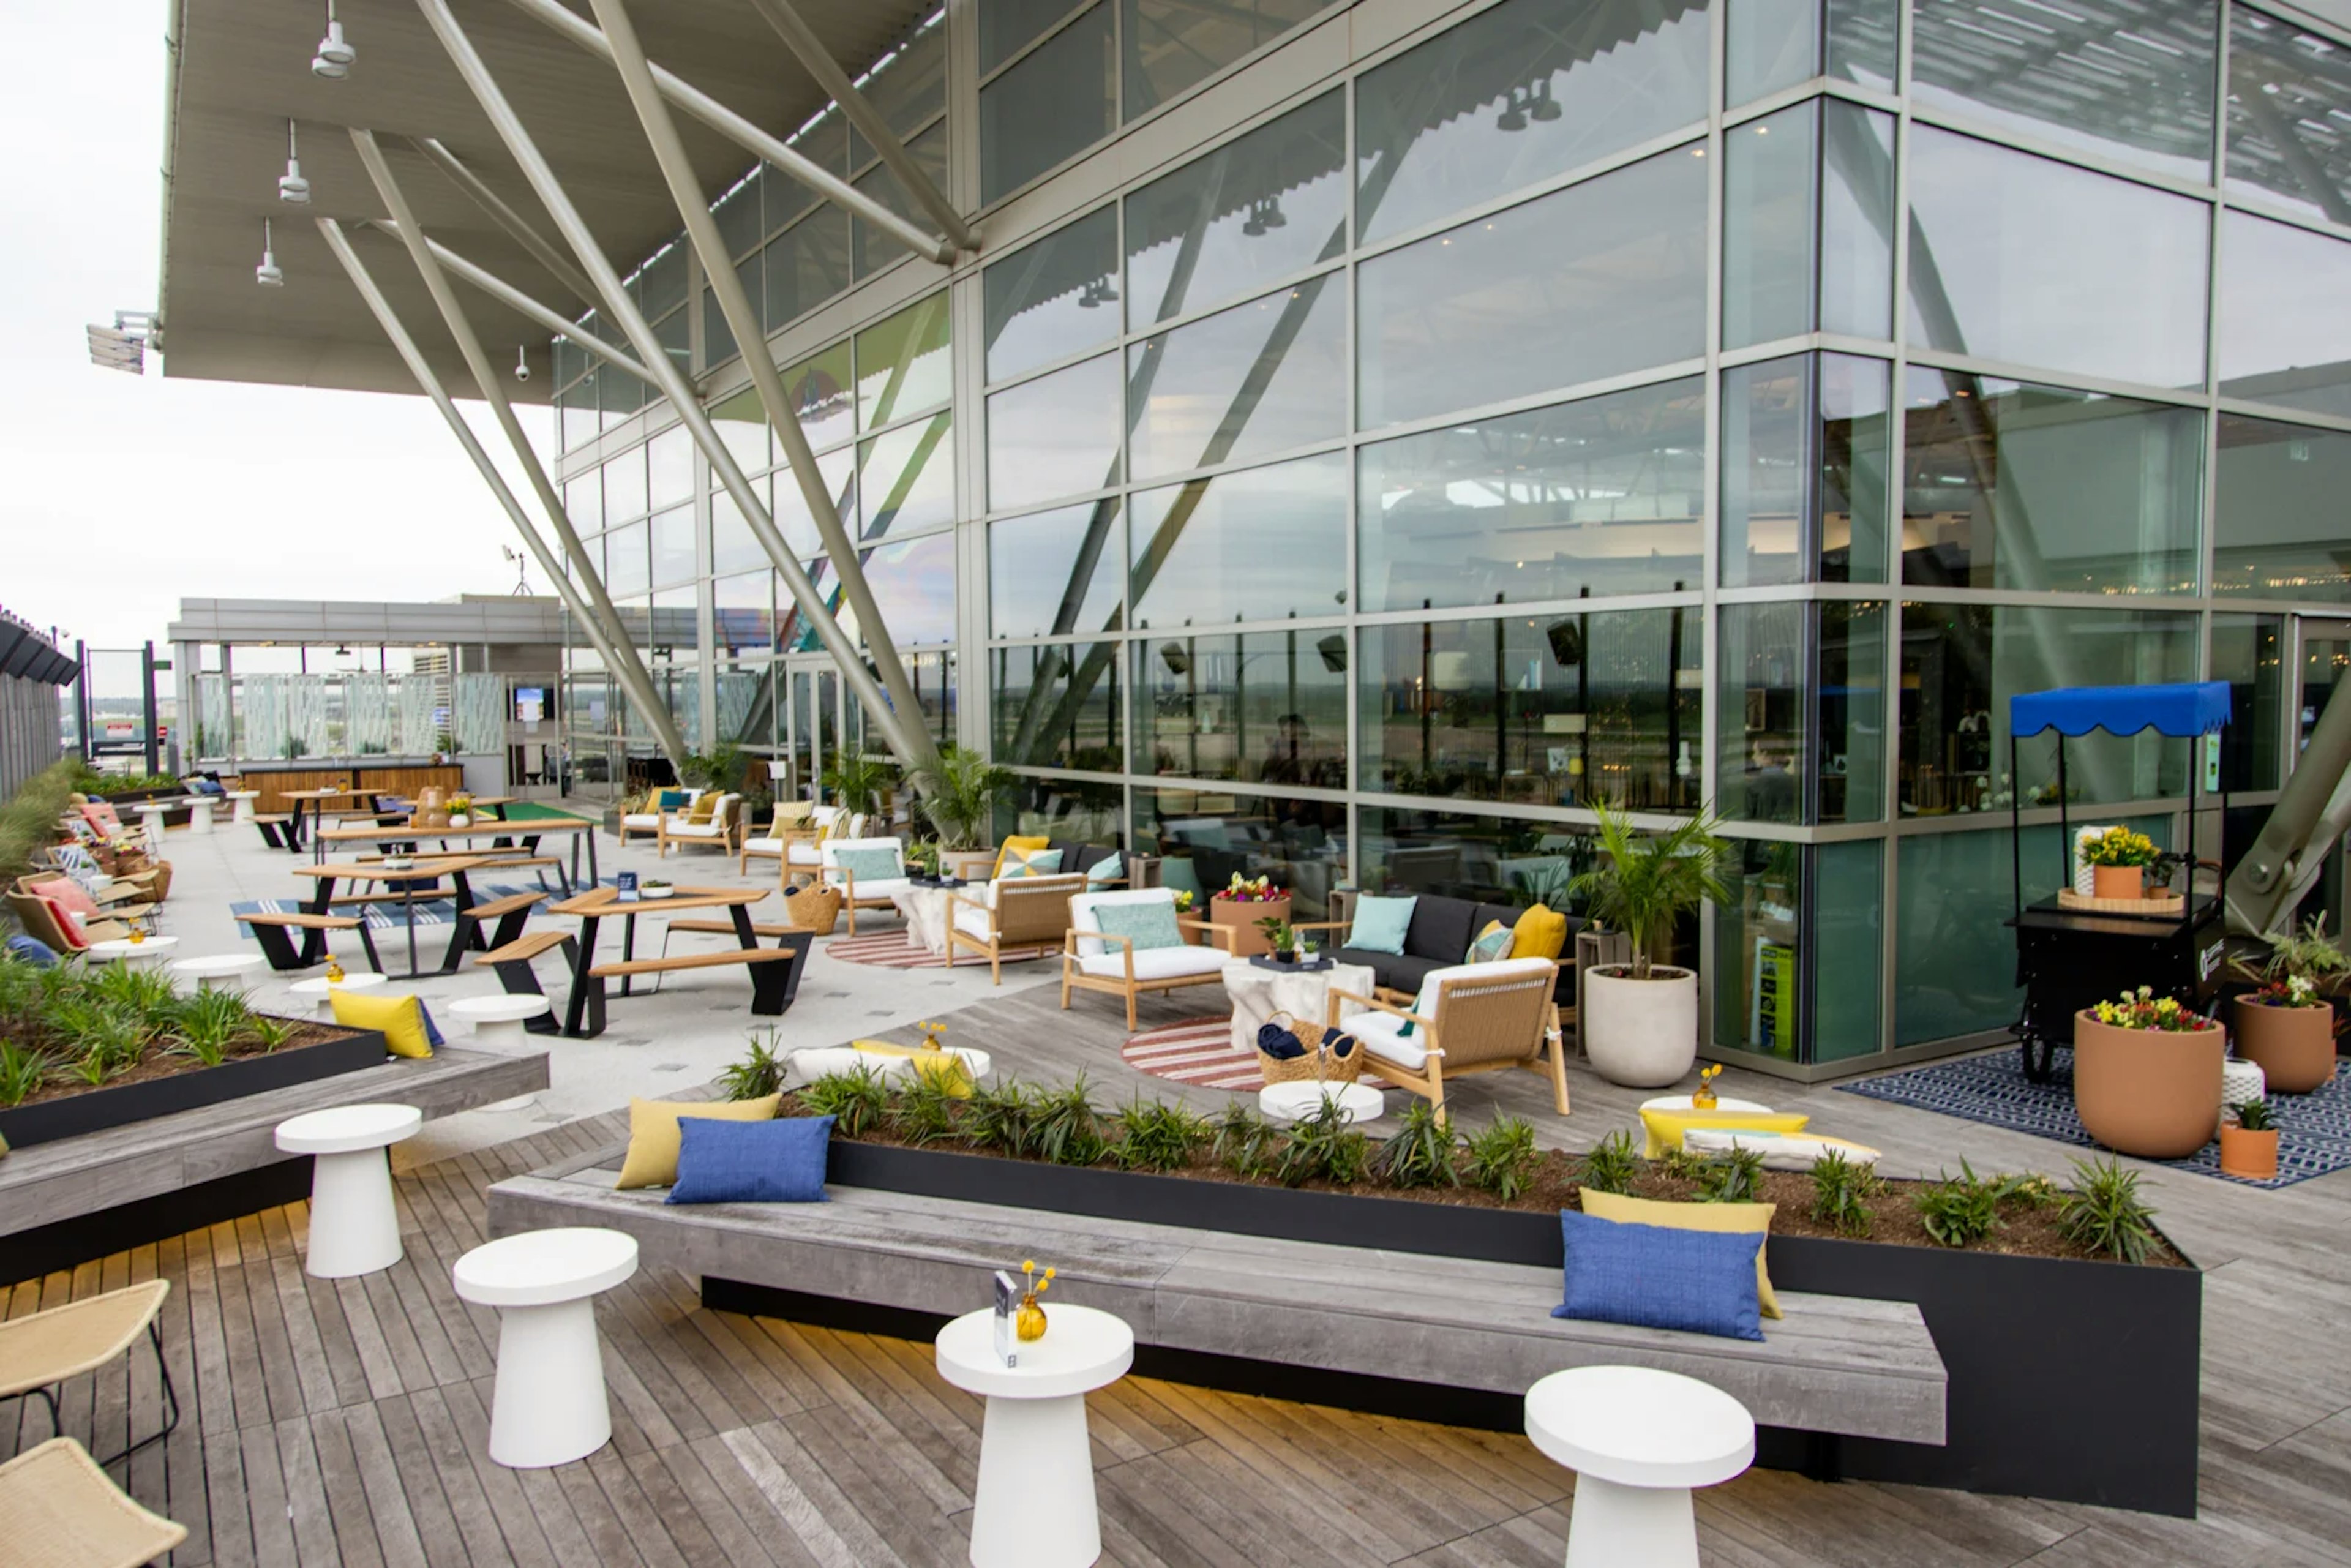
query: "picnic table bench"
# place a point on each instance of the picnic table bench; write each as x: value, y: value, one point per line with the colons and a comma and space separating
x: 522, y: 837
x: 422, y: 876
x: 584, y: 1013
x: 269, y: 930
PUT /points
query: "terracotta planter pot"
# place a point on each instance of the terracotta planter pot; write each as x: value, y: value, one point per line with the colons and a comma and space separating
x: 2147, y: 1092
x: 2252, y: 1156
x: 1251, y: 941
x: 2117, y: 881
x: 2294, y: 1046
x: 1644, y: 1033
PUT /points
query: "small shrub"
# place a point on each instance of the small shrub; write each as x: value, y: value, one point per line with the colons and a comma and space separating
x: 1068, y: 1126
x: 1681, y: 1165
x: 144, y: 993
x: 1501, y: 1159
x: 2026, y: 1191
x: 760, y: 1073
x: 1000, y: 1118
x: 272, y: 1033
x: 1735, y: 1176
x: 92, y: 1030
x: 23, y: 1070
x: 207, y: 1025
x: 1420, y: 1151
x: 1154, y: 1136
x: 1961, y: 1211
x: 1322, y: 1146
x: 1246, y: 1142
x: 858, y: 1101
x: 2105, y: 1213
x: 2254, y: 1116
x: 925, y: 1112
x: 1841, y: 1194
x: 1612, y: 1165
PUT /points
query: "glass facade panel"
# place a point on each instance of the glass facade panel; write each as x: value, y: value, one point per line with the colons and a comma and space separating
x: 913, y: 586
x: 838, y: 470
x: 1056, y: 101
x: 1056, y: 435
x: 1759, y: 951
x: 1495, y: 860
x: 2020, y: 258
x: 822, y: 394
x: 672, y: 548
x: 670, y: 462
x: 911, y: 86
x: 1173, y: 45
x: 1596, y: 280
x: 2285, y: 315
x: 1267, y: 707
x: 744, y: 617
x: 2278, y: 523
x: 1856, y: 296
x: 628, y: 567
x: 1258, y: 379
x: 1771, y: 263
x: 1775, y: 43
x: 741, y: 223
x: 1260, y: 545
x: 1260, y: 208
x: 1055, y: 573
x: 2289, y: 116
x: 906, y: 478
x: 873, y: 248
x: 1805, y: 447
x: 1205, y: 837
x: 1593, y: 498
x: 825, y: 143
x: 1518, y: 94
x: 1006, y: 26
x: 2248, y: 651
x: 1054, y: 296
x: 2010, y: 486
x: 1848, y: 908
x: 1795, y: 748
x: 1057, y: 706
x: 805, y: 266
x: 624, y: 487
x: 742, y: 426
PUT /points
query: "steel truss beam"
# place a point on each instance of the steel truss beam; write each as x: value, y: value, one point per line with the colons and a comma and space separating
x: 513, y: 298
x: 518, y: 227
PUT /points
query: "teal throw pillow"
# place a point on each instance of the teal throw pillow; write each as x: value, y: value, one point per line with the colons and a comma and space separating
x: 869, y: 866
x: 1150, y: 923
x: 1381, y: 924
x: 670, y: 801
x: 1492, y: 947
x: 1031, y: 862
x: 1110, y: 868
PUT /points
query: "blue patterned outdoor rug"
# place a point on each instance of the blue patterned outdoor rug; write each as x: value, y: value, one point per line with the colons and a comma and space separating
x: 2314, y: 1130
x: 442, y: 911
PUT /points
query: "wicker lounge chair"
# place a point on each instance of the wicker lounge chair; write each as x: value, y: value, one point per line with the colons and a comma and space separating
x: 42, y: 1350
x: 1017, y: 912
x: 1469, y: 1017
x: 1096, y: 960
x: 59, y: 1509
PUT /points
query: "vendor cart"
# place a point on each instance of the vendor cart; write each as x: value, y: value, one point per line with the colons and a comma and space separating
x: 2072, y: 952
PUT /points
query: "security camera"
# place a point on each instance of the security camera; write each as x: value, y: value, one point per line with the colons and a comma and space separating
x: 522, y: 364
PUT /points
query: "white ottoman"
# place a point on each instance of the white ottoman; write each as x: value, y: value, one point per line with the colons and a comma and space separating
x: 1637, y: 1440
x: 200, y: 815
x: 354, y: 1229
x: 1288, y: 1103
x: 500, y: 1020
x: 2241, y: 1082
x: 550, y: 1407
x: 221, y: 971
x: 322, y: 990
x: 242, y: 816
x: 1034, y: 1506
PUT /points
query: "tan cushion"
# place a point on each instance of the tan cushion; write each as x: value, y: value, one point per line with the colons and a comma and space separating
x: 654, y: 1137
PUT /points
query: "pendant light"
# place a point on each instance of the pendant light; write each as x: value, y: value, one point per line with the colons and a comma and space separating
x: 292, y: 188
x: 268, y: 273
x: 334, y: 58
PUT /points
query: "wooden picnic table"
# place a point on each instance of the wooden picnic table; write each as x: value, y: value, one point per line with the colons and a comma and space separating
x: 425, y: 869
x: 584, y: 1013
x: 524, y: 835
x: 317, y: 799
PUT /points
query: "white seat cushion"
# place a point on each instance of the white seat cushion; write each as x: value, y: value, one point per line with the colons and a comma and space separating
x: 1378, y: 1031
x: 763, y: 846
x: 805, y: 854
x: 879, y: 888
x: 642, y: 819
x: 971, y: 922
x: 679, y: 828
x: 1156, y: 963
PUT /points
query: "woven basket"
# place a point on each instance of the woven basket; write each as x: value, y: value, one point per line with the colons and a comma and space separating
x: 1318, y: 1065
x: 816, y: 906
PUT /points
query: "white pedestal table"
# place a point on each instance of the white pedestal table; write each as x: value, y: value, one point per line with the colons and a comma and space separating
x: 354, y: 1228
x: 550, y: 1407
x: 1637, y: 1440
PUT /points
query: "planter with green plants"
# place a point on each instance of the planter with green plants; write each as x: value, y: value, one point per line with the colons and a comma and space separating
x: 856, y: 782
x: 959, y: 798
x: 1639, y: 1020
x: 2287, y: 1025
x: 2249, y: 1142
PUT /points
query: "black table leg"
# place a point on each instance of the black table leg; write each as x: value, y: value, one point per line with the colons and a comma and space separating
x: 587, y: 996
x: 629, y: 952
x: 741, y: 913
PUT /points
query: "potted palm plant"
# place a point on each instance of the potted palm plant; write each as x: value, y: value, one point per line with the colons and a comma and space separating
x: 959, y: 797
x: 2146, y: 1075
x: 1639, y: 1020
x: 857, y: 781
x: 2286, y: 1027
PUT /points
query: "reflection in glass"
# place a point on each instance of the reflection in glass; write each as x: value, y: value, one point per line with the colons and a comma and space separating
x: 805, y: 266
x: 2248, y: 651
x: 2277, y: 524
x: 674, y: 632
x: 670, y: 459
x: 1496, y: 859
x: 745, y: 699
x: 628, y: 568
x: 1055, y: 102
x: 1206, y: 838
x: 821, y: 397
x: 1516, y: 95
x: 1053, y: 296
x: 837, y: 470
x: 742, y: 426
x: 1080, y: 811
x: 1261, y: 207
x: 2131, y: 82
x: 624, y: 486
x: 826, y: 143
x: 1598, y: 496
x: 1757, y: 951
x: 1057, y: 706
x: 741, y: 225
x: 2285, y: 315
x: 2289, y: 104
x: 2010, y: 486
x: 1054, y: 573
x: 1056, y: 435
x: 907, y: 478
x: 660, y: 287
x: 1006, y: 26
x: 1794, y: 749
x: 1848, y: 948
x: 1770, y: 271
x: 672, y: 547
x: 1171, y: 45
x: 745, y: 612
x: 1557, y: 710
x: 1258, y: 545
x: 1776, y: 44
x: 1804, y: 457
x: 1595, y: 280
x: 618, y: 396
x: 871, y: 247
x: 1258, y: 379
x: 911, y: 86
x: 2020, y: 258
x: 913, y: 586
x: 1270, y: 708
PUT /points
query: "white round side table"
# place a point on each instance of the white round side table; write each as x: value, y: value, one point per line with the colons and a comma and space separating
x: 1637, y: 1440
x: 500, y: 1020
x: 354, y: 1229
x: 322, y: 990
x: 219, y: 971
x: 550, y: 1407
x: 1035, y: 1503
x: 151, y: 819
x: 1682, y: 1102
x: 243, y: 815
x: 151, y: 951
x: 1288, y: 1103
x: 200, y: 815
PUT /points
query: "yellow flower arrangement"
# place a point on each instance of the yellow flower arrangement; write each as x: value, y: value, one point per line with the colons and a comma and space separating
x: 2119, y: 847
x: 2143, y: 1008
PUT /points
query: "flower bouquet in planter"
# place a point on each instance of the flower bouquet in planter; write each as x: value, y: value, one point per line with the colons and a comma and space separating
x: 2147, y: 1074
x: 2286, y: 1027
x: 2118, y: 859
x: 461, y: 811
x: 1247, y: 904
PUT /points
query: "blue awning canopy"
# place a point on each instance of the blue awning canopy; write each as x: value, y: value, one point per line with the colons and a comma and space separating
x: 2188, y: 708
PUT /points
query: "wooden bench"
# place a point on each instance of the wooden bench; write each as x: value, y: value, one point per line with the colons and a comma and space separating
x: 269, y: 930
x: 772, y: 988
x: 276, y: 828
x: 509, y: 912
x: 511, y: 960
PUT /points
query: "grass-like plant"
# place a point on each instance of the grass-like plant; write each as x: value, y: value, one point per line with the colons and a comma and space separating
x: 1842, y: 1191
x: 1068, y: 1128
x: 272, y: 1033
x: 206, y: 1026
x: 1612, y: 1165
x: 2105, y: 1214
x: 1001, y: 1117
x: 959, y: 797
x: 1322, y: 1146
x: 857, y: 1101
x: 1419, y: 1153
x: 1681, y: 1165
x: 1958, y: 1211
x: 1154, y: 1136
x: 924, y: 1111
x: 2255, y: 1116
x: 1646, y: 882
x: 1501, y: 1159
x: 1246, y: 1142
x: 23, y: 1070
x: 1734, y: 1176
x: 759, y: 1073
x: 114, y: 1038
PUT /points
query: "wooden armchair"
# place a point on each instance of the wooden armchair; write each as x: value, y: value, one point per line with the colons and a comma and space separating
x: 868, y: 872
x: 1469, y: 1017
x: 765, y: 841
x: 1093, y: 959
x: 708, y: 824
x: 1020, y: 913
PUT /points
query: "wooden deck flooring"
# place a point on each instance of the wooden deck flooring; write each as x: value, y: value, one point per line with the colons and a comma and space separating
x: 345, y: 1422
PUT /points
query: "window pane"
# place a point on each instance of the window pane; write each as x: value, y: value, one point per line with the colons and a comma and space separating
x: 1173, y: 44
x: 674, y: 636
x: 1056, y: 435
x: 627, y: 563
x: 1849, y: 913
x: 805, y: 266
x: 2019, y: 258
x: 1555, y: 711
x: 583, y: 501
x: 742, y: 426
x: 1954, y: 962
x: 1856, y: 219
x: 1056, y: 572
x: 624, y: 486
x: 1057, y: 706
x: 1005, y: 25
x: 825, y: 144
x: 2010, y: 486
x: 745, y: 614
x: 1783, y: 745
x: 2289, y: 114
x: 1497, y: 859
x: 1804, y: 455
x: 2132, y: 83
x: 1258, y: 379
x: 1258, y: 545
x: 1769, y: 233
x: 618, y: 396
x: 674, y: 333
x: 820, y: 391
x: 1262, y: 208
x: 902, y: 363
x: 1775, y: 43
x: 1205, y: 838
x: 1598, y: 496
x: 1054, y: 296
x: 1270, y: 708
x: 906, y: 478
x: 911, y: 86
x: 670, y: 461
x: 873, y: 248
x: 1516, y: 95
x: 661, y: 287
x: 1595, y: 280
x: 837, y: 470
x: 672, y: 547
x: 719, y: 343
x: 2278, y: 526
x: 2248, y: 651
x: 2285, y: 315
x: 1054, y: 103
x: 740, y: 221
x: 1757, y: 951
x: 913, y: 588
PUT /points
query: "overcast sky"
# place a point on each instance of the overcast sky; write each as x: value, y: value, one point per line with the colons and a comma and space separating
x: 120, y: 495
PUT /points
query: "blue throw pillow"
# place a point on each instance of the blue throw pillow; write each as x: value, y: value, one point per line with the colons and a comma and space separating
x: 781, y: 1161
x: 431, y: 1031
x: 1381, y: 924
x: 34, y: 951
x: 1649, y: 1277
x: 869, y: 865
x: 1110, y: 868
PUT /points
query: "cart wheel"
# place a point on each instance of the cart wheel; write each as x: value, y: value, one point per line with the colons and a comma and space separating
x: 2039, y: 1055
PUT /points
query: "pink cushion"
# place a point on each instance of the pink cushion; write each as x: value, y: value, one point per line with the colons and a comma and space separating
x: 69, y: 894
x: 73, y: 939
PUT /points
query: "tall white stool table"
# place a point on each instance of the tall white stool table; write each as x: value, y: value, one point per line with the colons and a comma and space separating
x: 219, y: 971
x: 321, y: 990
x: 151, y: 820
x: 200, y: 815
x: 1637, y: 1440
x: 142, y: 953
x: 354, y: 1229
x: 550, y: 1407
x: 500, y: 1025
x: 1034, y: 1506
x: 242, y: 815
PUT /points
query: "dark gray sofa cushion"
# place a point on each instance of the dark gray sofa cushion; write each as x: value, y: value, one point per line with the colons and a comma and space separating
x: 1439, y: 936
x: 1440, y: 929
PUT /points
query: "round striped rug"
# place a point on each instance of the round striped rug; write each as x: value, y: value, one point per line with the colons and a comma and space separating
x: 1198, y: 1051
x: 896, y: 950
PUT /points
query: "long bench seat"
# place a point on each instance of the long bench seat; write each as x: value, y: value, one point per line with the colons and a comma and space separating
x: 1832, y: 1365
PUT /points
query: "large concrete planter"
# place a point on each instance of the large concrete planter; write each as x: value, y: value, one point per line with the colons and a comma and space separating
x: 2150, y: 1092
x: 1643, y: 1034
x: 2294, y: 1046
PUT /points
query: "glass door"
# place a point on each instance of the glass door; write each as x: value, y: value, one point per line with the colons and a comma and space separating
x: 812, y: 694
x: 2323, y: 662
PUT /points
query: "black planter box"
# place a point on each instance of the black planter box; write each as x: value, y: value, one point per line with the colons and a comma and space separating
x: 2070, y: 1380
x: 102, y: 1108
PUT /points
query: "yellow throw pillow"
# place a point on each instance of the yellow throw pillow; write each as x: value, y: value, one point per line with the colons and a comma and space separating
x: 1664, y: 1128
x: 653, y: 1137
x: 402, y: 1018
x: 1735, y: 1218
x: 703, y: 805
x: 1025, y: 845
x: 1541, y: 933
